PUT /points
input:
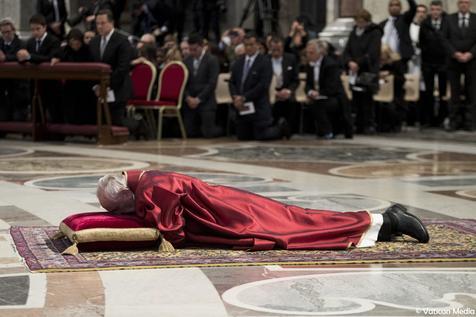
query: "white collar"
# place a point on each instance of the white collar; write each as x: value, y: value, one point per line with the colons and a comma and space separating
x: 108, y: 37
x: 204, y: 50
x: 463, y: 15
x: 277, y: 60
x: 43, y: 37
x: 317, y: 63
x: 252, y: 58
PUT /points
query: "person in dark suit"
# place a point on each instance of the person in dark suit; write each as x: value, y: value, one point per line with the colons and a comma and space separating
x: 362, y: 56
x: 40, y: 48
x: 199, y: 111
x: 78, y: 100
x: 434, y: 58
x: 113, y: 48
x: 14, y: 96
x: 249, y: 87
x: 397, y: 36
x: 88, y: 12
x: 325, y: 91
x: 461, y: 45
x: 286, y: 72
x: 55, y: 14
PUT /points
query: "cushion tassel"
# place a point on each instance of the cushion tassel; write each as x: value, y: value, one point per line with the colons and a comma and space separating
x: 72, y: 249
x: 58, y: 235
x: 166, y: 246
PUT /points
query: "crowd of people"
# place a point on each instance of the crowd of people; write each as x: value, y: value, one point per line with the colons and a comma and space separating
x: 436, y: 46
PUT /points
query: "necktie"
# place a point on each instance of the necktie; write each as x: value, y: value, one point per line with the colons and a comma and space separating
x: 55, y: 5
x: 245, y: 71
x: 196, y: 64
x: 102, y: 48
x: 38, y: 45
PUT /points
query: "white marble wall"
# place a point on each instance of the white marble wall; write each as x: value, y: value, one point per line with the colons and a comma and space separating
x: 10, y: 9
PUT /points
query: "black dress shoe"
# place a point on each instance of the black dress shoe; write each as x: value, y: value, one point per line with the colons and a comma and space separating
x: 285, y: 128
x: 404, y: 222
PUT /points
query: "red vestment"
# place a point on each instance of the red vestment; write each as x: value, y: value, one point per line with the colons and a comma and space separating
x: 190, y: 212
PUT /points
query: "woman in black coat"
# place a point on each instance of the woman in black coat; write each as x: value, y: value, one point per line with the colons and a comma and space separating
x: 78, y: 101
x: 362, y: 59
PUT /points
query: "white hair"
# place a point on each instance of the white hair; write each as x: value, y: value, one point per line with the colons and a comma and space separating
x: 321, y: 46
x: 114, y: 195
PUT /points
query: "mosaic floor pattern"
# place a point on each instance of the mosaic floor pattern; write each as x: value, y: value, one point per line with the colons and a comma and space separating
x: 42, y: 183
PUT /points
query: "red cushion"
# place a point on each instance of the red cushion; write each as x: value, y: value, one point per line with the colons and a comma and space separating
x: 107, y: 220
x: 151, y: 103
x: 141, y: 78
x: 19, y: 127
x: 93, y: 220
x: 173, y: 77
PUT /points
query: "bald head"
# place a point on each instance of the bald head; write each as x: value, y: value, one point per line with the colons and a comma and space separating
x: 464, y: 6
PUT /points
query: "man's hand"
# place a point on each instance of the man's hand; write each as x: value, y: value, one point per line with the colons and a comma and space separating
x: 2, y: 56
x: 459, y: 57
x: 467, y: 56
x: 90, y: 18
x: 313, y: 94
x: 283, y: 94
x: 354, y: 67
x: 56, y: 27
x: 192, y: 102
x: 23, y: 55
x: 54, y: 61
x: 238, y: 103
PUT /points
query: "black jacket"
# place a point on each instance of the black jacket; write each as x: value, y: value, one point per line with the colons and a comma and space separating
x: 432, y: 42
x: 118, y: 54
x: 365, y: 49
x: 290, y: 72
x: 47, y: 9
x: 330, y: 84
x: 402, y: 24
x: 255, y: 87
x: 11, y: 50
x: 48, y: 49
x: 204, y: 83
x: 67, y: 54
x: 456, y: 40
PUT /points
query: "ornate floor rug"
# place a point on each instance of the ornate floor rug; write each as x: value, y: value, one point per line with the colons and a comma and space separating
x: 451, y: 241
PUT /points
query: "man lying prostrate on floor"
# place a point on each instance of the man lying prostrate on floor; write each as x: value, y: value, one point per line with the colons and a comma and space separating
x: 190, y: 212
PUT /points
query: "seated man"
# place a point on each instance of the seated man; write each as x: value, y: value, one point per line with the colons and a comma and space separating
x: 190, y: 212
x: 325, y: 92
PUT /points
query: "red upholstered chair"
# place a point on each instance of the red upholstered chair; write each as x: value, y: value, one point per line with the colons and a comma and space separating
x: 143, y: 77
x: 171, y: 86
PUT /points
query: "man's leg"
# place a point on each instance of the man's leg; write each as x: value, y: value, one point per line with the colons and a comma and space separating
x: 208, y: 125
x: 470, y: 82
x: 266, y: 131
x: 426, y: 113
x: 442, y: 88
x: 191, y: 121
x: 454, y: 76
x: 244, y: 129
x: 319, y: 111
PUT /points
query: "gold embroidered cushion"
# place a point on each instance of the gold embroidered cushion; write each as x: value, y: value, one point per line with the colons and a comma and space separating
x: 104, y: 231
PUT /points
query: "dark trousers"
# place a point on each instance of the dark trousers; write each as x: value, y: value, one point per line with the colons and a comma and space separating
x: 201, y: 122
x: 50, y: 101
x: 289, y: 110
x: 247, y: 129
x: 364, y: 107
x: 14, y: 100
x: 429, y: 115
x: 327, y: 114
x: 463, y: 115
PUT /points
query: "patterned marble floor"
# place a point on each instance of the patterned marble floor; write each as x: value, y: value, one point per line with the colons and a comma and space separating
x: 42, y: 183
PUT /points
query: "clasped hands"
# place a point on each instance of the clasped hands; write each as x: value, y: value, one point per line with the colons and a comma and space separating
x: 192, y: 102
x: 23, y: 55
x: 463, y: 57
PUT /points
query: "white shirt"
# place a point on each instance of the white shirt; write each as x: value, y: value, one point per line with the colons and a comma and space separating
x: 196, y: 62
x: 460, y: 19
x: 278, y: 70
x: 317, y: 71
x: 415, y: 33
x: 251, y: 59
x: 43, y: 38
x: 108, y: 37
x: 436, y: 23
x: 390, y: 36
